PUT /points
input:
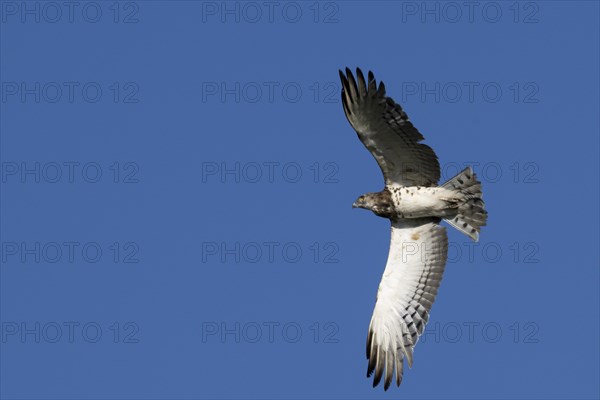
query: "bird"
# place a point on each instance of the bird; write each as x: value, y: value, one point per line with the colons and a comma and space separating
x: 415, y: 206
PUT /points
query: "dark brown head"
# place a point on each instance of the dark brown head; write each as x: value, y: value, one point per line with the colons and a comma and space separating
x: 380, y: 203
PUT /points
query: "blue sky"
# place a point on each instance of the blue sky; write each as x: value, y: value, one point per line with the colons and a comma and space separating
x: 177, y: 181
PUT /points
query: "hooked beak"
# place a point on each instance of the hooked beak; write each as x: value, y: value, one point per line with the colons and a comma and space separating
x: 355, y: 205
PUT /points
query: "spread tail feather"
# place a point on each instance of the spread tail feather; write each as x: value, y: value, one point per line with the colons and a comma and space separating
x: 471, y: 214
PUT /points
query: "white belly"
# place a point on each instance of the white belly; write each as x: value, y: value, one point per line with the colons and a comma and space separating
x: 418, y: 201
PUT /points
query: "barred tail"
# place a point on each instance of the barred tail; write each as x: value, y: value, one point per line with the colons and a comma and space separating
x: 471, y: 214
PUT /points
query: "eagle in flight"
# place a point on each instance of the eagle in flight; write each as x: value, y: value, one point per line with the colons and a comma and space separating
x: 415, y: 205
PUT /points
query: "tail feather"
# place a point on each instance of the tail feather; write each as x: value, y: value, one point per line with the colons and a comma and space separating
x: 471, y: 214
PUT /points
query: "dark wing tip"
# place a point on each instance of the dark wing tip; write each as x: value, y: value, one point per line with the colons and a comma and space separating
x: 372, y: 84
x: 362, y: 85
x: 371, y: 366
x: 345, y: 92
x: 344, y: 81
x: 379, y: 366
x: 381, y: 89
x: 359, y: 72
x: 378, y: 375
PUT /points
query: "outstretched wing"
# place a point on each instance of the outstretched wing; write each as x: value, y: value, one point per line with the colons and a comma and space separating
x: 412, y: 276
x: 385, y: 130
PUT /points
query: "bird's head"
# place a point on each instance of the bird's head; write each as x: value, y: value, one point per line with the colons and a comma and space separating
x: 380, y: 203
